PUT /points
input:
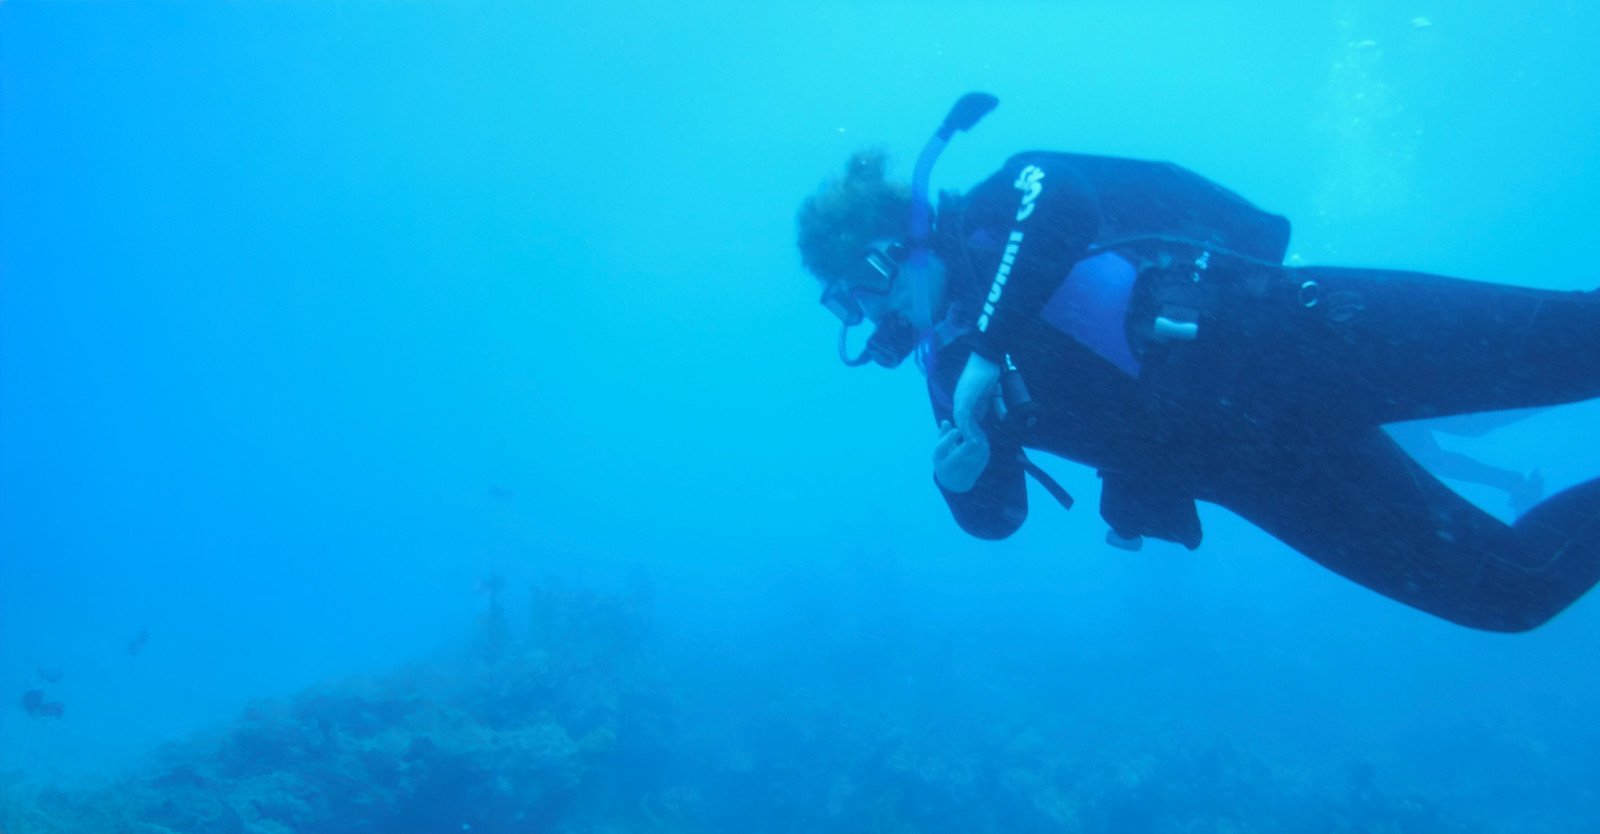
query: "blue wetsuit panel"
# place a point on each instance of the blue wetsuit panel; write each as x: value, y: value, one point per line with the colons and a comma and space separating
x: 1091, y: 306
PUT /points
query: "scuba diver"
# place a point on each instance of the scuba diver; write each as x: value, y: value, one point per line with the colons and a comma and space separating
x: 1134, y: 317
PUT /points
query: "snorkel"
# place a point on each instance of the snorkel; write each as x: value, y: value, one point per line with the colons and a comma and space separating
x: 895, y: 338
x: 966, y: 113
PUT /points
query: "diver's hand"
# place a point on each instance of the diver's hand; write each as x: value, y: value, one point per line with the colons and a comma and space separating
x: 973, y: 392
x: 958, y: 462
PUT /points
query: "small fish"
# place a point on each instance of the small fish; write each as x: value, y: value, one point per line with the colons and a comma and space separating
x: 136, y: 645
x: 502, y: 493
x: 1420, y: 23
x: 51, y: 675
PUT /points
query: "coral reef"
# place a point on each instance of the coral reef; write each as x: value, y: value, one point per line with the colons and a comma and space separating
x: 529, y: 731
x: 842, y: 719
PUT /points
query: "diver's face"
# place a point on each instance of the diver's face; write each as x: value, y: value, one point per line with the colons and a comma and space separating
x: 881, y: 286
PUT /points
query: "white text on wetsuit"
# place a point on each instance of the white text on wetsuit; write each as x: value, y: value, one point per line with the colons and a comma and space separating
x: 1028, y: 182
x: 1000, y: 276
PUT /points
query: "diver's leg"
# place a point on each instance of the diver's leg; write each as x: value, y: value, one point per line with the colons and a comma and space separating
x: 1376, y: 346
x: 1424, y: 345
x: 1365, y: 510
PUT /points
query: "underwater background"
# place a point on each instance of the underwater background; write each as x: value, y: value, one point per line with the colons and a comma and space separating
x: 414, y: 418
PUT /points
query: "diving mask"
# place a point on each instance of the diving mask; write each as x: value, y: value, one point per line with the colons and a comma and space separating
x: 873, y: 275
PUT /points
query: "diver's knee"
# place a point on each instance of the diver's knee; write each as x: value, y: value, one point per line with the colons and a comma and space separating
x: 1517, y: 625
x: 1512, y: 620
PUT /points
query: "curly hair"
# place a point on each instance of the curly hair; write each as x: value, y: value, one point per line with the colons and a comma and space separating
x: 845, y: 215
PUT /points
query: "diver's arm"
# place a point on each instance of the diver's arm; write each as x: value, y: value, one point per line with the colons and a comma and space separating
x: 1052, y: 215
x: 996, y: 503
x: 974, y: 389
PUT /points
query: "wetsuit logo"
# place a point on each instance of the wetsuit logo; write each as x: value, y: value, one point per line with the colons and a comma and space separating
x: 1001, y: 275
x: 1028, y: 183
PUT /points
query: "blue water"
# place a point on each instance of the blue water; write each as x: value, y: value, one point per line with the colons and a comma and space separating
x: 314, y: 316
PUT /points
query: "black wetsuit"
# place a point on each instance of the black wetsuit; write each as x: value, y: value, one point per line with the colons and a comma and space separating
x: 1273, y: 407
